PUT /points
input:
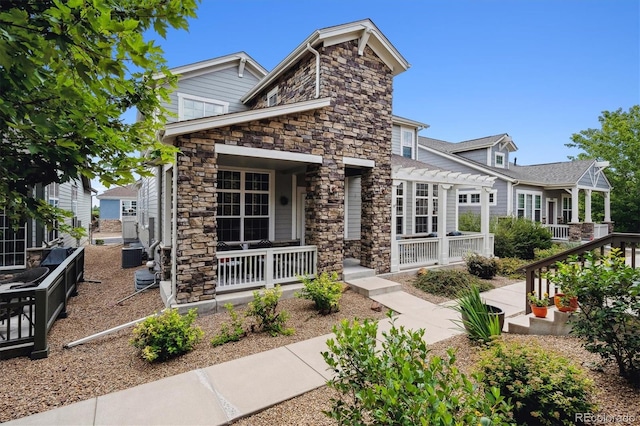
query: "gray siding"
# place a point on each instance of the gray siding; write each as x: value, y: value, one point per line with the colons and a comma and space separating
x: 354, y: 207
x: 396, y: 141
x: 223, y: 85
x: 283, y: 219
x: 594, y: 179
x: 478, y: 155
x: 494, y: 150
x: 83, y: 210
x: 148, y: 220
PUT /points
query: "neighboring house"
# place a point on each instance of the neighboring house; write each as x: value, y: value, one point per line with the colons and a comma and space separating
x: 545, y: 193
x: 302, y: 167
x: 15, y: 245
x: 117, y: 204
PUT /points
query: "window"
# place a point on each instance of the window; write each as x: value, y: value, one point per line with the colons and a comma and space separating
x: 499, y: 159
x: 566, y: 209
x: 529, y: 205
x: 472, y: 198
x: 74, y: 200
x: 426, y: 208
x: 272, y: 97
x: 243, y: 205
x: 190, y: 107
x: 52, y: 192
x: 400, y: 209
x: 13, y: 243
x: 407, y: 143
x: 129, y: 207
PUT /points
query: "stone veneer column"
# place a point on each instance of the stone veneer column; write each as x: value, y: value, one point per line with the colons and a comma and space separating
x: 324, y: 211
x: 196, y: 243
x: 375, y: 247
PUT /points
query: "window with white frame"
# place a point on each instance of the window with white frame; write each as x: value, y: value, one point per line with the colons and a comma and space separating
x: 566, y: 209
x: 191, y: 107
x: 400, y: 209
x: 272, y: 97
x: 426, y: 212
x: 407, y: 143
x: 243, y: 205
x: 529, y: 205
x: 472, y: 198
x: 13, y: 243
x: 129, y: 207
x: 499, y: 159
x: 52, y: 192
x: 74, y: 200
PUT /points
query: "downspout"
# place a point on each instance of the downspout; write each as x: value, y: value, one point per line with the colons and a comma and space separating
x: 315, y: 52
x: 174, y: 233
x: 513, y: 197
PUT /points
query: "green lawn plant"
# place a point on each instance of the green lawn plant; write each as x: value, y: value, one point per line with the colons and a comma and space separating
x: 264, y: 310
x: 477, y: 320
x: 398, y: 381
x: 481, y: 266
x: 519, y: 237
x: 166, y: 335
x: 325, y: 291
x: 448, y: 282
x: 230, y: 332
x: 544, y: 387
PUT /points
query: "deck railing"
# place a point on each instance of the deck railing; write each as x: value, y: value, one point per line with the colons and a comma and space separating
x: 600, y: 230
x: 559, y: 232
x: 463, y: 245
x: 418, y: 252
x: 242, y: 269
x: 535, y: 272
x: 38, y: 308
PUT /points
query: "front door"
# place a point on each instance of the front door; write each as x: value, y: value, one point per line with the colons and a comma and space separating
x: 551, y: 213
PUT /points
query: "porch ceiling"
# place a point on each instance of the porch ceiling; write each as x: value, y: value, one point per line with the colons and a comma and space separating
x: 440, y: 176
x: 228, y: 160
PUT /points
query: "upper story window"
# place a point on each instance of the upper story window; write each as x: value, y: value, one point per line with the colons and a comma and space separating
x: 407, y: 143
x: 190, y: 107
x: 500, y: 159
x: 272, y: 97
x: 472, y: 198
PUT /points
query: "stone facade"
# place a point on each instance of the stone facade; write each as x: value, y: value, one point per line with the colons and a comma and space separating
x: 352, y: 249
x: 575, y: 232
x: 357, y: 124
x: 588, y: 231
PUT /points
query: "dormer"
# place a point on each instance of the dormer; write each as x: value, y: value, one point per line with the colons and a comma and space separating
x: 404, y: 137
x: 492, y: 151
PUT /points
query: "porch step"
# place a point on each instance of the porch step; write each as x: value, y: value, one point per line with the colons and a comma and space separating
x: 555, y: 324
x: 353, y: 272
x: 373, y: 286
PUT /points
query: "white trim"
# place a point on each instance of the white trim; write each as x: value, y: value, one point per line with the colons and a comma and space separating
x: 440, y: 176
x: 245, y: 151
x: 192, y: 126
x: 411, y: 144
x: 401, y: 121
x: 271, y: 93
x: 469, y: 192
x: 185, y: 96
x: 504, y: 158
x: 360, y: 162
x: 489, y: 156
x: 216, y: 64
x: 533, y: 201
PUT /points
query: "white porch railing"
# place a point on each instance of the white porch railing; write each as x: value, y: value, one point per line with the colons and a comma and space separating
x: 600, y: 230
x: 463, y: 245
x: 559, y: 232
x: 241, y: 269
x: 418, y: 252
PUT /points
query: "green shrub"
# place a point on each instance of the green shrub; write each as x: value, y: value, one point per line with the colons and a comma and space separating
x: 608, y: 320
x: 263, y: 309
x: 230, y: 332
x: 480, y: 266
x: 325, y: 291
x: 479, y: 323
x: 540, y: 253
x: 398, y: 382
x: 99, y: 242
x: 519, y: 237
x: 544, y: 387
x: 448, y: 282
x: 469, y: 222
x: 511, y: 267
x: 166, y: 335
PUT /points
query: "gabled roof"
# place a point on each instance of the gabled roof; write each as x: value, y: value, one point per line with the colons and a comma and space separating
x: 119, y: 192
x: 365, y: 31
x: 243, y: 61
x: 401, y: 121
x: 559, y: 173
x: 470, y: 145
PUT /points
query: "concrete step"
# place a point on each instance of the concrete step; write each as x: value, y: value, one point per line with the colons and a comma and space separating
x: 356, y: 272
x: 555, y: 324
x: 373, y: 286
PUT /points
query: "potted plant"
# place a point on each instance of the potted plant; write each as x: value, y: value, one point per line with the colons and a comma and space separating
x: 481, y: 321
x: 539, y: 307
x: 565, y: 302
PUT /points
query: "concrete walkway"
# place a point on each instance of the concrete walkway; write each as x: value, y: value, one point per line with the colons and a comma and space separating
x: 224, y: 392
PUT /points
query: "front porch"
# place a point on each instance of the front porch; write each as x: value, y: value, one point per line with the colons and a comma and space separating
x: 419, y: 252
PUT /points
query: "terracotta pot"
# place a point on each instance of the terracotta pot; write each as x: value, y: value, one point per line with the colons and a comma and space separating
x: 539, y: 311
x: 573, y: 303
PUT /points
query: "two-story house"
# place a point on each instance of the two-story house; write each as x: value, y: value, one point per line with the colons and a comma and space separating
x: 292, y: 171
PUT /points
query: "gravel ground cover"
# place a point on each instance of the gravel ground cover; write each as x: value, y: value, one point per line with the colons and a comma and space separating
x: 109, y: 364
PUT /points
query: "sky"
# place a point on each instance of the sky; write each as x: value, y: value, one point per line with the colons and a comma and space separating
x: 539, y: 70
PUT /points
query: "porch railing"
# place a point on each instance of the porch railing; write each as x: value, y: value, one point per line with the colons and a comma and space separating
x: 418, y: 252
x: 463, y: 245
x: 241, y: 269
x: 535, y: 281
x: 559, y: 232
x: 600, y: 230
x: 38, y: 308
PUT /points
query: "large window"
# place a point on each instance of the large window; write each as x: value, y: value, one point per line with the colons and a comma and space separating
x: 191, y: 107
x: 243, y: 205
x: 53, y: 198
x: 472, y: 198
x: 14, y: 244
x: 400, y: 209
x: 529, y: 205
x: 129, y: 207
x: 566, y: 209
x: 407, y: 143
x: 426, y: 214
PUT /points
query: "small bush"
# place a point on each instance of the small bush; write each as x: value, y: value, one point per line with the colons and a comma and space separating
x: 230, y: 332
x: 479, y: 323
x: 325, y: 291
x: 99, y: 242
x: 398, y: 382
x: 448, y: 282
x: 519, y: 237
x: 263, y: 309
x: 544, y: 387
x: 541, y: 253
x: 482, y: 267
x: 511, y: 267
x: 166, y: 335
x: 469, y: 222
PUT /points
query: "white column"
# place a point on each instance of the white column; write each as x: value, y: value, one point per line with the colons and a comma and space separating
x: 587, y: 206
x: 395, y: 261
x: 575, y: 218
x: 484, y: 220
x: 607, y: 206
x: 442, y: 224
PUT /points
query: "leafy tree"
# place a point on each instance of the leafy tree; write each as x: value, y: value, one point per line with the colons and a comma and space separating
x: 69, y: 69
x: 617, y: 141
